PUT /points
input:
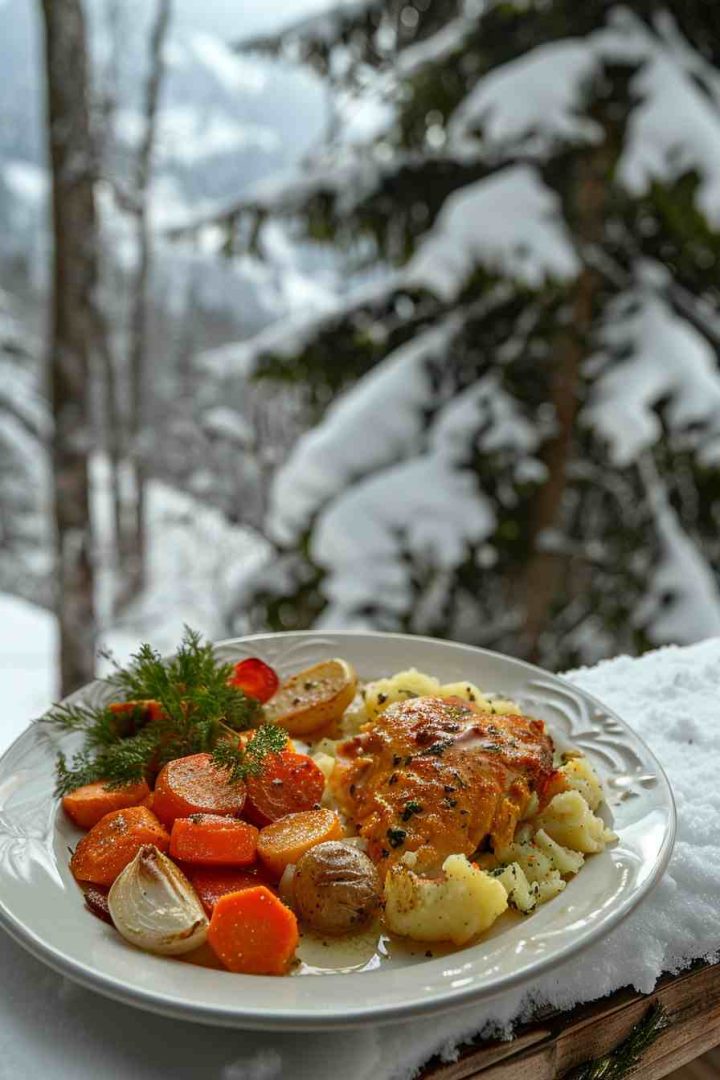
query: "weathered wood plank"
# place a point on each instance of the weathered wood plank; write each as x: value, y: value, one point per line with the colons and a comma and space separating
x: 561, y: 1042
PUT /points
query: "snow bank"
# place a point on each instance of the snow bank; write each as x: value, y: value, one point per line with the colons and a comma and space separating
x: 28, y: 644
x: 480, y: 226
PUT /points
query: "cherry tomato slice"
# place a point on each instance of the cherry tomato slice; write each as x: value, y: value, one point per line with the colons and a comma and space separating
x: 256, y: 678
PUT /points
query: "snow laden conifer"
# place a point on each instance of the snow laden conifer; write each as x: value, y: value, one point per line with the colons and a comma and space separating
x: 522, y: 443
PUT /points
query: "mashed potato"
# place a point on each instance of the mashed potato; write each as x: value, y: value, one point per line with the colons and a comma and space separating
x: 382, y: 693
x: 457, y: 907
x: 569, y: 821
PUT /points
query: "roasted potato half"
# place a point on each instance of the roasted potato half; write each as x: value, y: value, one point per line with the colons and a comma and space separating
x: 314, y: 698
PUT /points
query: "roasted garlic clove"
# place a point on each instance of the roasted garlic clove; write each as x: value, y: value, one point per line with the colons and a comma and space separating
x: 154, y: 906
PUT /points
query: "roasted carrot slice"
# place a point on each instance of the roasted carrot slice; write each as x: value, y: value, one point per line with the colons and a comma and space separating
x: 210, y: 883
x: 256, y: 678
x: 252, y: 932
x: 286, y: 840
x: 287, y: 783
x: 212, y: 840
x: 130, y: 716
x: 193, y: 785
x: 86, y: 805
x: 114, y: 842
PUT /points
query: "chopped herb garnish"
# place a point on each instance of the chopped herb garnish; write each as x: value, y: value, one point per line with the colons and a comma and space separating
x: 411, y: 807
x: 396, y: 837
x: 195, y: 710
x: 437, y: 749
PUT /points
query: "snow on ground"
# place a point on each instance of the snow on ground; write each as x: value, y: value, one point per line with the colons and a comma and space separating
x: 28, y: 642
x: 480, y: 226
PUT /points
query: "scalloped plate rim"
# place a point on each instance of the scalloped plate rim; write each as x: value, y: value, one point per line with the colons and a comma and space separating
x: 298, y: 1019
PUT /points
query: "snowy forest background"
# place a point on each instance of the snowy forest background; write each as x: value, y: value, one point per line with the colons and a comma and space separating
x: 396, y: 314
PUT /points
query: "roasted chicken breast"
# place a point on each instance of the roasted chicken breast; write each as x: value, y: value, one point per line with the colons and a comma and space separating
x: 437, y: 777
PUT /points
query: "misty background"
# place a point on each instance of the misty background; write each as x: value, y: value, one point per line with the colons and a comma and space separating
x: 404, y: 316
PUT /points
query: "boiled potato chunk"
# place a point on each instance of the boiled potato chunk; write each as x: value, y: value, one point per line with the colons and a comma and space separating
x: 569, y: 821
x: 311, y: 700
x: 579, y: 775
x: 336, y: 888
x: 457, y: 907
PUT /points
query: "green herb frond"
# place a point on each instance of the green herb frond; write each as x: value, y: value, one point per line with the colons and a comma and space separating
x: 124, y: 762
x: 627, y: 1055
x: 247, y: 761
x: 198, y: 705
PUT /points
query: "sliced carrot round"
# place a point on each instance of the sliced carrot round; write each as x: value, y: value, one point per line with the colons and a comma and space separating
x: 193, y: 785
x: 211, y: 882
x: 212, y: 840
x: 114, y: 842
x: 253, y: 932
x: 283, y: 842
x: 86, y: 805
x: 287, y: 783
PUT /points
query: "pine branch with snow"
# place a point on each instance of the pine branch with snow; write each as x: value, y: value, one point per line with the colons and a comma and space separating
x: 523, y: 452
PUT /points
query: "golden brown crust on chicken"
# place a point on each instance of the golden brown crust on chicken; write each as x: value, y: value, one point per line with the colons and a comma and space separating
x: 438, y: 776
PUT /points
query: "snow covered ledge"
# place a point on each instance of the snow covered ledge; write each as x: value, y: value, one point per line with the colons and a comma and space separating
x: 672, y: 699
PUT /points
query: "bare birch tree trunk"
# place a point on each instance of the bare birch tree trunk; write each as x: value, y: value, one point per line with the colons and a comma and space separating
x: 107, y: 99
x: 139, y: 383
x: 71, y: 331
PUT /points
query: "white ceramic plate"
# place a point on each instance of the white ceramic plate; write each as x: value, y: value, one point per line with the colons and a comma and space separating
x: 42, y: 908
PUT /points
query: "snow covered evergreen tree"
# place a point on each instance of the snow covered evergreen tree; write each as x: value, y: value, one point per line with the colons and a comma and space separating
x: 522, y: 445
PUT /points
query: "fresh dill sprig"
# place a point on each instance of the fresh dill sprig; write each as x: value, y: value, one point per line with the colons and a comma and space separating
x: 192, y: 683
x: 194, y: 708
x: 124, y: 762
x: 242, y: 762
